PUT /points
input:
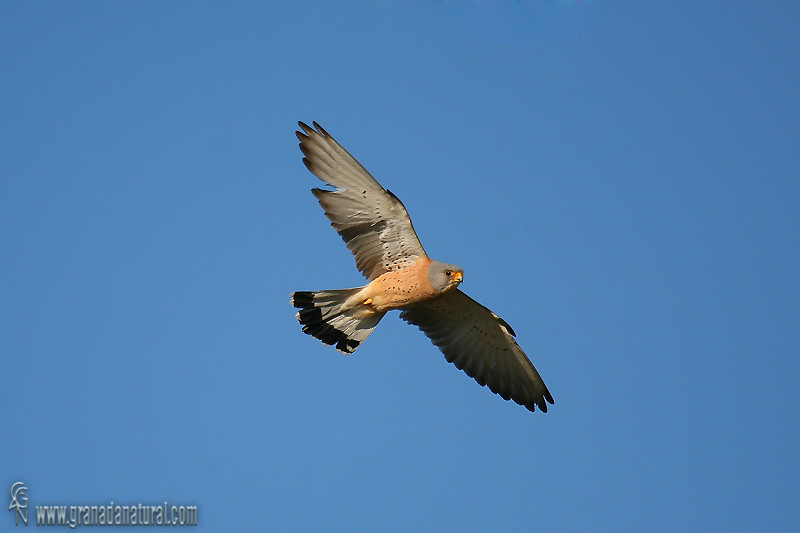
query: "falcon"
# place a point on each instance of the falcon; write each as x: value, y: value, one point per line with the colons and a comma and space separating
x: 376, y: 228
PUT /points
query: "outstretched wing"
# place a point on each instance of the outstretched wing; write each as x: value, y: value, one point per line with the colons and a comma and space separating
x: 371, y: 220
x: 481, y: 344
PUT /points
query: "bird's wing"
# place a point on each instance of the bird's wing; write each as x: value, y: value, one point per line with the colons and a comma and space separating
x: 371, y: 220
x: 481, y: 344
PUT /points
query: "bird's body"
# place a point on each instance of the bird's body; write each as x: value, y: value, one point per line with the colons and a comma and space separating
x: 400, y: 288
x: 377, y: 229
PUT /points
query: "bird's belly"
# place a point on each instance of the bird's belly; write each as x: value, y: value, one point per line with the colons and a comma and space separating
x: 403, y: 288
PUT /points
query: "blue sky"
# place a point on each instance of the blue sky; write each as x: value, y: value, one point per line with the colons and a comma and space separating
x: 618, y: 180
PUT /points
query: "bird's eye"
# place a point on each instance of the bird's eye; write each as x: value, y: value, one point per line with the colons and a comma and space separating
x: 448, y: 273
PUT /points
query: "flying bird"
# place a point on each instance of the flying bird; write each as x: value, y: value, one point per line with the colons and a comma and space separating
x: 376, y: 228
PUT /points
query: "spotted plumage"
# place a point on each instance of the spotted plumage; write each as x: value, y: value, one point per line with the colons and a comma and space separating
x: 376, y: 228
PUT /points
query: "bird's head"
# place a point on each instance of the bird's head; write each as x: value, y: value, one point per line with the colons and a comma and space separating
x: 443, y: 276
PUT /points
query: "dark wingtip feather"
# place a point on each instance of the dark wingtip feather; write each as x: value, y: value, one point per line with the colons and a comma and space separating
x: 549, y: 397
x: 540, y: 401
x: 320, y: 129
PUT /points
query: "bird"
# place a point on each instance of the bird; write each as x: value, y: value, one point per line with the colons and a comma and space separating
x: 377, y: 229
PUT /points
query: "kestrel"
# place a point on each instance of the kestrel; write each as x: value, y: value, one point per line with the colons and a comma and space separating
x: 376, y: 228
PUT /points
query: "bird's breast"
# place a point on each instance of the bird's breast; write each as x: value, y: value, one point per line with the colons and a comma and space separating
x: 401, y: 288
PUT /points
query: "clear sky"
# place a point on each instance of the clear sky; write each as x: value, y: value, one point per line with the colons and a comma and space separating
x: 620, y: 181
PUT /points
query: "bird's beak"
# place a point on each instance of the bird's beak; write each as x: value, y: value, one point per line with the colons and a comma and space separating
x: 458, y: 277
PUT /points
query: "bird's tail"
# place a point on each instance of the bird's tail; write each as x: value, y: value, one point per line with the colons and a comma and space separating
x: 326, y: 316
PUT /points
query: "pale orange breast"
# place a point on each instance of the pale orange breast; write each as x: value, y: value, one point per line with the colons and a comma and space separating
x: 395, y: 290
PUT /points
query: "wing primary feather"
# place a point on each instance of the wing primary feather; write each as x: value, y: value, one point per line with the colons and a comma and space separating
x: 320, y: 129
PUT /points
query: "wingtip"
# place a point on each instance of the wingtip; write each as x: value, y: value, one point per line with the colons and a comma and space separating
x: 320, y: 129
x: 308, y: 130
x: 541, y: 403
